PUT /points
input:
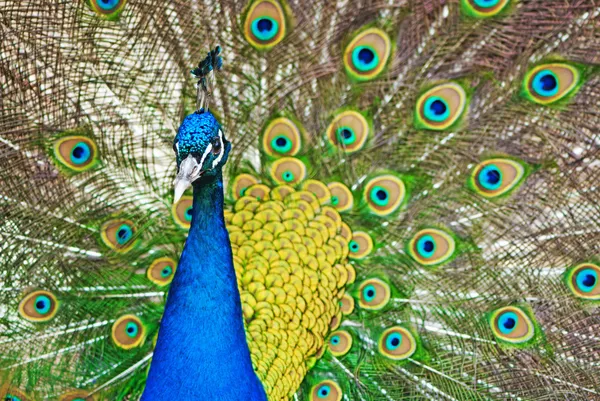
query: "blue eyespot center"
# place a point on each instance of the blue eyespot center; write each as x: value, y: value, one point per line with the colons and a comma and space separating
x: 288, y: 176
x: 426, y: 246
x: 42, y: 304
x: 589, y: 280
x: 10, y: 397
x: 80, y: 153
x: 436, y: 109
x: 131, y: 329
x: 366, y: 55
x: 188, y: 213
x: 281, y: 144
x: 364, y: 58
x: 335, y: 200
x: 265, y: 28
x: 166, y: 272
x: 490, y: 177
x: 486, y: 3
x: 346, y: 135
x: 354, y: 247
x: 380, y: 196
x: 324, y: 391
x: 507, y: 322
x: 369, y: 293
x: 393, y: 341
x: 548, y: 82
x: 586, y: 280
x: 264, y: 25
x: 124, y: 234
x: 335, y: 340
x: 107, y: 4
x: 545, y: 83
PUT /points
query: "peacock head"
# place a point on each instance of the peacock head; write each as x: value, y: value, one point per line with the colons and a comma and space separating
x: 201, y: 150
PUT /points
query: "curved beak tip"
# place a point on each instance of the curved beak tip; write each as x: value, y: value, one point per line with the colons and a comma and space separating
x: 181, y: 184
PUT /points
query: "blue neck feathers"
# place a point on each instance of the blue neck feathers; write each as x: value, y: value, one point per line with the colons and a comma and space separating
x: 201, y: 352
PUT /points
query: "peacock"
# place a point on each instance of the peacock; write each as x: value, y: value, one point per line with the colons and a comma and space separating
x: 292, y: 200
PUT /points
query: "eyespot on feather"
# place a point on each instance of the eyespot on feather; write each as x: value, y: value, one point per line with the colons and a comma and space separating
x: 327, y: 390
x: 107, y: 9
x: 582, y: 280
x: 373, y: 294
x: 76, y: 153
x: 341, y: 197
x: 340, y: 343
x: 495, y: 177
x: 182, y: 212
x: 440, y: 107
x: 483, y: 8
x: 361, y: 245
x: 128, y: 332
x: 281, y: 138
x: 240, y: 184
x: 38, y: 306
x: 348, y: 131
x: 384, y: 194
x: 549, y: 83
x: 431, y: 247
x: 397, y: 343
x: 512, y: 325
x: 161, y: 271
x: 367, y: 54
x: 118, y: 235
x: 287, y: 171
x: 264, y: 24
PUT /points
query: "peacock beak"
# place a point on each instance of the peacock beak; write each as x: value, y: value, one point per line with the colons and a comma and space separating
x: 189, y: 171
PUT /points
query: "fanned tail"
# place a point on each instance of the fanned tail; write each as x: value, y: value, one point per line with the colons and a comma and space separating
x: 456, y: 140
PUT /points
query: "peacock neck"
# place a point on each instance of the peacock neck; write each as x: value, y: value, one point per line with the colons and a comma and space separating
x: 201, y: 352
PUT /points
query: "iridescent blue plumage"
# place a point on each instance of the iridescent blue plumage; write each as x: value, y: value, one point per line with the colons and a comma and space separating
x: 195, y: 133
x: 201, y: 352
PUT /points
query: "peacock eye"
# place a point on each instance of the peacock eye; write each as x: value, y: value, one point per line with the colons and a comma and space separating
x: 216, y: 146
x: 511, y: 324
x: 431, y: 247
x: 38, y: 306
x: 374, y: 294
x: 583, y: 281
x: 128, y: 332
x: 327, y: 390
x: 548, y: 83
x: 397, y: 343
x: 340, y: 343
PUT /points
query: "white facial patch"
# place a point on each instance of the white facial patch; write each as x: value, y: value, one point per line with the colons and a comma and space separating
x: 222, y: 152
x: 206, y: 152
